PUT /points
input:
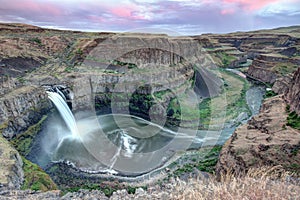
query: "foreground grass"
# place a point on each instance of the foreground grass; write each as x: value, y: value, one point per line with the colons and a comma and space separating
x: 264, y: 183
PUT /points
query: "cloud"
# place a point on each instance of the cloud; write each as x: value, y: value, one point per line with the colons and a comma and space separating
x: 251, y: 5
x: 185, y: 16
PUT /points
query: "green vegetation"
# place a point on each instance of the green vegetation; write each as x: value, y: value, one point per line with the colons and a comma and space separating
x: 110, y: 71
x: 205, y: 110
x: 234, y: 96
x: 23, y: 141
x: 69, y: 69
x: 129, y: 65
x: 36, y: 178
x: 21, y: 79
x: 107, y: 188
x: 174, y: 109
x: 270, y: 93
x: 293, y: 120
x: 285, y: 68
x: 294, y: 167
x: 36, y: 40
x: 79, y: 51
x: 206, y: 162
x: 96, y: 59
x: 223, y: 59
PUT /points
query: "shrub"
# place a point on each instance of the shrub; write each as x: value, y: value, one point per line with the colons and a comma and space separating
x: 36, y: 40
x: 270, y: 93
x: 293, y: 120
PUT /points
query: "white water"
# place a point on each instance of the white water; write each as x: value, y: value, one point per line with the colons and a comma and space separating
x: 65, y: 112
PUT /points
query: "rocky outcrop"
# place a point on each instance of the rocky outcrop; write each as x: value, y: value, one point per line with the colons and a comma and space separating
x: 262, y: 71
x: 22, y: 108
x: 141, y: 49
x: 274, y: 69
x: 8, y: 84
x: 293, y: 94
x: 264, y: 140
x: 11, y: 172
x: 18, y: 66
x: 281, y: 85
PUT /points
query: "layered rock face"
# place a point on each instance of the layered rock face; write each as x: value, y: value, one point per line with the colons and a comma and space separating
x: 274, y: 69
x: 262, y: 70
x: 145, y: 50
x: 11, y: 172
x: 22, y: 108
x: 293, y: 94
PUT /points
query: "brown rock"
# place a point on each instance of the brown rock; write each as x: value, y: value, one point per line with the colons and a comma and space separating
x: 265, y: 140
x: 293, y: 94
x: 11, y: 172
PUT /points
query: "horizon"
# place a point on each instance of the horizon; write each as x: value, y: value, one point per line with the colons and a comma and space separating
x: 172, y: 17
x: 158, y: 33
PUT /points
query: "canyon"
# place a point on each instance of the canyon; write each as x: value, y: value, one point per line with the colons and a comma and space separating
x: 159, y: 78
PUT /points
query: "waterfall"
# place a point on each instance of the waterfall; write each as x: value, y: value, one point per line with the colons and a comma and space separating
x: 64, y: 111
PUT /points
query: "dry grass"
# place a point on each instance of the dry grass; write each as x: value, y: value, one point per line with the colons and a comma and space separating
x: 263, y: 183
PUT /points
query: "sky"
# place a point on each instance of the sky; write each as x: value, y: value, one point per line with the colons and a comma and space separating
x: 177, y: 17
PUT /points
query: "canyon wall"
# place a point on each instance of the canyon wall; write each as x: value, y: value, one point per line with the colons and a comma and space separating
x: 273, y: 69
x: 125, y: 63
x: 293, y: 94
x: 93, y: 65
x: 22, y: 108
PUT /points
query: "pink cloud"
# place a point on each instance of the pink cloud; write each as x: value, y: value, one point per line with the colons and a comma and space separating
x: 122, y: 12
x: 127, y: 12
x: 251, y: 5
